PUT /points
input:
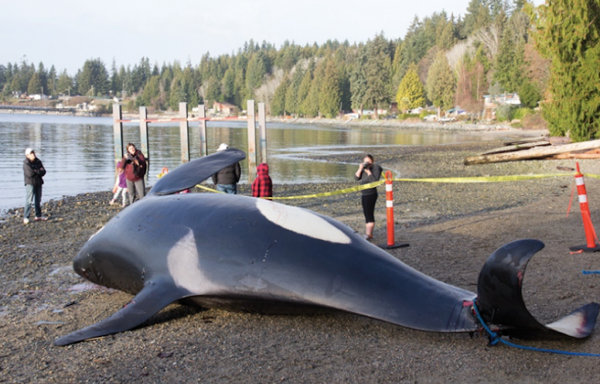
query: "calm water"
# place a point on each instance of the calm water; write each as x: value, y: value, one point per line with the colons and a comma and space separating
x: 77, y: 151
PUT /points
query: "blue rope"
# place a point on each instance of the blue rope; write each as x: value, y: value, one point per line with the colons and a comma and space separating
x: 590, y: 272
x: 495, y: 339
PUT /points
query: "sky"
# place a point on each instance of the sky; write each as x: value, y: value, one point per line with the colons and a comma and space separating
x: 66, y: 33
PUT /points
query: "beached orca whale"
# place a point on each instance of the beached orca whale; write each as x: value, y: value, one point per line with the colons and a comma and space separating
x: 249, y: 254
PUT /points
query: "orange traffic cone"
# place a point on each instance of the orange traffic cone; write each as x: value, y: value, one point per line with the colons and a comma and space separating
x: 590, y: 233
x: 389, y: 204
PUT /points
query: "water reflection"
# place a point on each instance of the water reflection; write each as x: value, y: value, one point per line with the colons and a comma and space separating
x: 78, y: 151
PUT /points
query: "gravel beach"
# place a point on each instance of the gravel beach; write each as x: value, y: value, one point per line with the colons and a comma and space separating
x: 451, y: 228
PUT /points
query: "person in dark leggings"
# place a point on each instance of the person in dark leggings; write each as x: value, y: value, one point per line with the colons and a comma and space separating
x: 368, y: 172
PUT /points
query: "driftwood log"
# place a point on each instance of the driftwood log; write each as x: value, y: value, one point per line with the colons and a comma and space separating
x: 517, y: 147
x: 532, y: 153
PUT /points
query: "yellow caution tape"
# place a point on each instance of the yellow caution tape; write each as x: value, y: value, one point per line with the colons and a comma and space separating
x: 454, y: 180
x: 207, y: 188
x: 313, y: 195
x: 332, y: 193
x: 481, y: 179
x: 591, y: 175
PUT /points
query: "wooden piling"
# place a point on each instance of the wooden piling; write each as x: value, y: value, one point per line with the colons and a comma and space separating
x: 203, y: 143
x: 262, y: 126
x: 184, y: 133
x: 144, y: 137
x: 117, y: 132
x: 251, y: 141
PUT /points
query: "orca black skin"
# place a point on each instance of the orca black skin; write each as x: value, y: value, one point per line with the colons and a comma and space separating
x: 252, y: 254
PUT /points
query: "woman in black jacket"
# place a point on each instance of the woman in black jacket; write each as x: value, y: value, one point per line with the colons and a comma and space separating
x: 368, y: 172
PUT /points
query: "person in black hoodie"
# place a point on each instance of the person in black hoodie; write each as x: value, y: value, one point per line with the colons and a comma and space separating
x: 33, y: 171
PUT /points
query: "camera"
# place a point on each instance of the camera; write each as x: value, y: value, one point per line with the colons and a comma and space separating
x: 129, y: 157
x: 366, y: 165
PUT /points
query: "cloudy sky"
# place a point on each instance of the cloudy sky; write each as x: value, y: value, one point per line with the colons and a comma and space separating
x: 67, y: 32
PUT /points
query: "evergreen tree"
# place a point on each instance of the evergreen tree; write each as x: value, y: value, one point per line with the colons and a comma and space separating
x: 378, y: 74
x: 228, y: 85
x: 477, y: 16
x: 93, y: 78
x: 310, y: 105
x: 177, y: 92
x: 43, y: 78
x: 304, y: 89
x: 213, y: 91
x: 64, y: 84
x: 35, y: 85
x: 291, y: 95
x: 529, y: 94
x: 509, y: 61
x: 151, y: 92
x: 330, y: 95
x: 51, y: 81
x: 358, y: 80
x: 278, y: 101
x: 568, y: 33
x: 410, y: 91
x: 441, y: 83
x: 255, y: 74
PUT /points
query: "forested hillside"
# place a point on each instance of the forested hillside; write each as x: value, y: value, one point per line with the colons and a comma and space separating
x: 442, y: 60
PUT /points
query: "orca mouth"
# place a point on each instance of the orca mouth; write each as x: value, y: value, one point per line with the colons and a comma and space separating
x: 500, y: 300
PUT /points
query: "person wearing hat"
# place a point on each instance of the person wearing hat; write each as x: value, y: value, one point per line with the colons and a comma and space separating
x: 34, y: 171
x: 227, y: 178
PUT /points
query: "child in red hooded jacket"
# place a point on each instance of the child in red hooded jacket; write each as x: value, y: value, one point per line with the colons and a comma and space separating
x: 262, y: 185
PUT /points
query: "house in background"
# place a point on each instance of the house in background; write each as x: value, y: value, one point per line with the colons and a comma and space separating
x: 225, y: 109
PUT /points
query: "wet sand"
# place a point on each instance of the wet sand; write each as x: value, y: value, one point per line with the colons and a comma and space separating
x: 451, y: 228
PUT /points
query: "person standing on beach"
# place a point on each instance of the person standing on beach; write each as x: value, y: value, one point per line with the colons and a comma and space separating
x: 227, y: 178
x: 368, y: 172
x: 134, y: 165
x: 262, y: 185
x: 34, y: 171
x: 120, y: 186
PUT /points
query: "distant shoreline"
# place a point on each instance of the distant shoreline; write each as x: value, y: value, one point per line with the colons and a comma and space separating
x: 389, y: 123
x: 394, y: 123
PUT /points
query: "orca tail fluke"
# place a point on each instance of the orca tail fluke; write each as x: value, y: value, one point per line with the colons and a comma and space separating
x: 500, y: 300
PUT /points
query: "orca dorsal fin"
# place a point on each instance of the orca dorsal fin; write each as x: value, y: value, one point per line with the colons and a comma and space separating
x: 189, y: 174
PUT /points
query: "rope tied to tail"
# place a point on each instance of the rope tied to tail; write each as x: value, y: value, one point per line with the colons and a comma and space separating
x: 495, y: 338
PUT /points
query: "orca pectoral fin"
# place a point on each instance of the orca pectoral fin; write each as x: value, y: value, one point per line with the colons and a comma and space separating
x: 500, y: 299
x: 152, y: 298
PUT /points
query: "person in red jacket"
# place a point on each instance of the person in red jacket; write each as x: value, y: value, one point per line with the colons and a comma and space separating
x: 134, y: 165
x: 262, y: 185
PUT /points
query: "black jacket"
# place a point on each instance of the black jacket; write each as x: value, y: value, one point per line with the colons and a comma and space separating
x: 366, y: 179
x: 228, y: 175
x: 33, y: 172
